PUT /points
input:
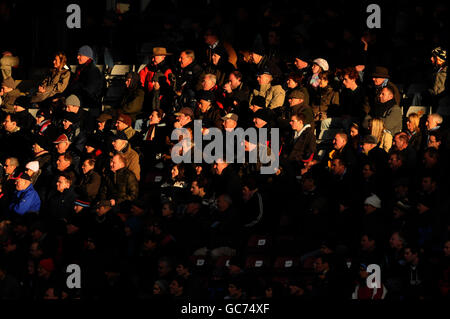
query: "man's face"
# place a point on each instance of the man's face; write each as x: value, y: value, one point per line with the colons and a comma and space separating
x: 195, y: 190
x: 222, y: 204
x: 256, y: 58
x: 61, y: 163
x: 235, y: 82
x: 318, y: 265
x: 378, y: 81
x: 9, y: 169
x: 395, y: 241
x: 259, y: 123
x: 119, y: 144
x: 427, y: 184
x: 385, y: 95
x: 62, y: 147
x: 366, y: 171
x: 154, y: 118
x: 72, y: 108
x: 207, y: 83
x: 300, y: 64
x: 399, y: 143
x: 219, y: 166
x: 116, y: 164
x: 82, y: 59
x: 22, y: 184
x: 409, y: 256
x: 394, y: 162
x: 8, y: 125
x: 184, y: 60
x: 66, y: 124
x: 86, y: 167
x: 62, y: 184
x: 174, y: 288
x: 338, y: 142
x: 157, y: 59
x: 296, y: 124
x: 264, y: 79
x: 337, y: 168
x: 183, y: 119
x: 120, y: 125
x: 35, y: 252
x: 366, y: 243
x: 367, y: 147
x: 348, y: 83
x: 229, y: 124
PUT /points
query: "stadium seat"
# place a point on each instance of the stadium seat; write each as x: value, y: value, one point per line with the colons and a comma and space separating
x: 257, y: 263
x: 259, y: 244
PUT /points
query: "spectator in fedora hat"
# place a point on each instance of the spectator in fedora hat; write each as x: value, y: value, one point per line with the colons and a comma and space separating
x: 157, y: 80
x: 380, y: 79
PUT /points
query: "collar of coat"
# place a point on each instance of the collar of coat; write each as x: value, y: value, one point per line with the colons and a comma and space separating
x: 302, y: 130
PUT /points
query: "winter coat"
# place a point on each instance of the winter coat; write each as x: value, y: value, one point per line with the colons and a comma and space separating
x: 132, y: 161
x: 87, y: 83
x: 133, y: 99
x: 121, y: 186
x: 8, y: 100
x: 392, y: 117
x: 55, y: 82
x: 274, y: 95
x: 304, y: 146
x: 25, y: 201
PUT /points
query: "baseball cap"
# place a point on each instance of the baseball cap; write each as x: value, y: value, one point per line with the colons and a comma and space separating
x: 61, y: 138
x: 369, y: 139
x: 230, y: 116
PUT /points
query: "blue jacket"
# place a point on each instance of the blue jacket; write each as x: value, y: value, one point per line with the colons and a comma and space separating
x: 26, y: 201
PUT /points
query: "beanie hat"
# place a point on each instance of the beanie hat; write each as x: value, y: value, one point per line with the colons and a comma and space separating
x: 34, y: 166
x: 47, y: 264
x: 86, y: 51
x: 373, y: 200
x: 322, y: 63
x: 262, y: 114
x: 125, y: 119
x: 73, y: 100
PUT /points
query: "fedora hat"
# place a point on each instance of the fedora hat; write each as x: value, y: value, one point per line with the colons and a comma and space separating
x: 380, y: 72
x: 160, y: 51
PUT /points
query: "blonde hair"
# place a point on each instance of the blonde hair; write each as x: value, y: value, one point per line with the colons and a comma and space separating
x: 414, y: 119
x: 377, y: 128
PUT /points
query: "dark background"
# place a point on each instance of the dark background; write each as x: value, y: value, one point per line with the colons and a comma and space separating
x: 329, y: 29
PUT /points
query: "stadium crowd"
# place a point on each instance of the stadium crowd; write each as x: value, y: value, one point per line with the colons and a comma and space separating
x: 360, y: 181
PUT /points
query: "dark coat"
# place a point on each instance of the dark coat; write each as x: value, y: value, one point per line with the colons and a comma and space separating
x: 87, y: 83
x: 303, y: 147
x: 89, y: 186
x: 121, y: 186
x: 60, y: 205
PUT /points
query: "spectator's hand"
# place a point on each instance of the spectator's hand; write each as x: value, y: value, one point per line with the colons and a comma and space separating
x: 113, y: 202
x: 177, y: 124
x: 227, y: 87
x: 156, y: 85
x: 364, y: 40
x: 41, y: 89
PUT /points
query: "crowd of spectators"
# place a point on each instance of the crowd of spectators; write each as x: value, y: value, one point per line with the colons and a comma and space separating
x: 358, y: 182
